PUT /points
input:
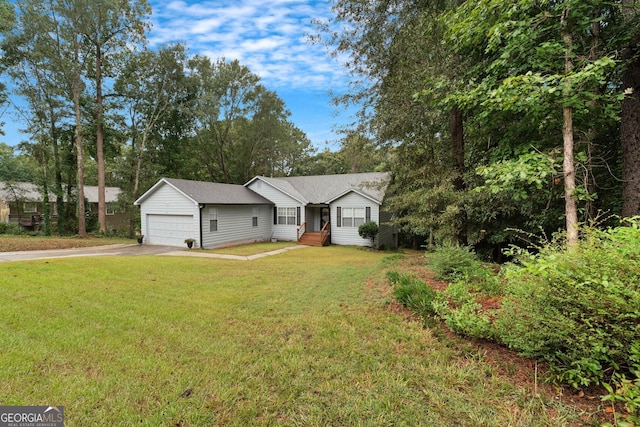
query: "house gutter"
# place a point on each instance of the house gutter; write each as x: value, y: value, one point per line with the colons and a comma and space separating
x: 201, y: 206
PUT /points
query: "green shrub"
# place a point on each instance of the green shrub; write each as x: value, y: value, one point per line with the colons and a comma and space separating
x: 451, y: 262
x: 627, y: 391
x: 10, y: 228
x: 578, y: 310
x: 469, y: 320
x: 414, y: 294
x: 459, y: 263
x: 369, y: 230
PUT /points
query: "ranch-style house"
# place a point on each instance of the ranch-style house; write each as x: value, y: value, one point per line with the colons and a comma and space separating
x: 314, y: 210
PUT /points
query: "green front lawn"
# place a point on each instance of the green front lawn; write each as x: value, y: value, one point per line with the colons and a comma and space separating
x: 303, y: 338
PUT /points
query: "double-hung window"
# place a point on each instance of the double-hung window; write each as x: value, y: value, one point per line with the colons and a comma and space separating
x: 254, y: 219
x: 352, y: 217
x: 286, y: 216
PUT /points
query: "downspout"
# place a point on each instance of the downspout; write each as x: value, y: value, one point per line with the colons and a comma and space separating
x: 201, y: 206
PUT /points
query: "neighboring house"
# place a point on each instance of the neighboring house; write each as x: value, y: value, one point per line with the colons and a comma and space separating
x: 23, y: 202
x: 115, y: 219
x: 316, y: 210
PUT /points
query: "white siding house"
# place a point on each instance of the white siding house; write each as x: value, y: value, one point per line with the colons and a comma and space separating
x: 311, y: 209
x: 210, y: 213
x: 169, y: 217
x: 288, y: 212
x: 350, y: 211
x: 224, y: 225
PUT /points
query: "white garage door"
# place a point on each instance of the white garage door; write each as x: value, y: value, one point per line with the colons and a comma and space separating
x: 169, y: 230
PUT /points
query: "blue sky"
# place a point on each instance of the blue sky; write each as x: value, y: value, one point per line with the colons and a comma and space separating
x: 269, y: 37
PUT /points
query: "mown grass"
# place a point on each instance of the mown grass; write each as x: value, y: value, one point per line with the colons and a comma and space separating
x: 301, y: 338
x: 248, y: 250
x: 12, y: 243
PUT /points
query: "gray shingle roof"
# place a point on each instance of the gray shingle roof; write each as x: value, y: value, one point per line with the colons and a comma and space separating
x: 32, y: 193
x: 213, y: 193
x: 110, y: 194
x: 22, y: 191
x: 321, y: 189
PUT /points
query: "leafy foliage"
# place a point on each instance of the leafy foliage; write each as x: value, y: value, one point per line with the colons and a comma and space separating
x: 454, y: 263
x: 627, y: 390
x: 579, y: 311
x: 369, y: 230
x: 415, y: 294
x: 10, y: 228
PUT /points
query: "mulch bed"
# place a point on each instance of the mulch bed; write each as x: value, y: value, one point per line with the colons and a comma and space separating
x: 528, y: 375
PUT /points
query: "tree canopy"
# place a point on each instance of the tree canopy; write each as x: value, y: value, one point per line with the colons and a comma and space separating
x: 501, y: 116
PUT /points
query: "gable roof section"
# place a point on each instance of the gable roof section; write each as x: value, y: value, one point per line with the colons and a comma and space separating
x: 209, y: 193
x: 323, y: 189
x: 282, y: 186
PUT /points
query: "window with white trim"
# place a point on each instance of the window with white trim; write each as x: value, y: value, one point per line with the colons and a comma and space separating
x: 254, y: 219
x: 213, y: 220
x: 110, y: 209
x: 352, y: 217
x: 286, y: 216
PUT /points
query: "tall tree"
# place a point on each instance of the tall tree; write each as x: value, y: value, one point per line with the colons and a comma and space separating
x: 152, y: 85
x: 112, y: 28
x: 392, y: 47
x: 72, y: 66
x: 521, y: 74
x: 240, y: 125
x: 630, y: 123
x: 33, y: 57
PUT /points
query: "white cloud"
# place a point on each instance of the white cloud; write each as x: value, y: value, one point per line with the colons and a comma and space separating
x: 270, y: 38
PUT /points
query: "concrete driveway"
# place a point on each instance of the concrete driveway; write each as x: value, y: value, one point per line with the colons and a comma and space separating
x: 108, y: 250
x: 131, y: 250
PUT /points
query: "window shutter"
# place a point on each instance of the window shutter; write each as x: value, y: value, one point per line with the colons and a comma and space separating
x: 367, y: 214
x: 298, y: 215
x: 275, y: 215
x: 339, y: 215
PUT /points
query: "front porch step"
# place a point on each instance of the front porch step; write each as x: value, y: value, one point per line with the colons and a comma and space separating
x: 311, y: 238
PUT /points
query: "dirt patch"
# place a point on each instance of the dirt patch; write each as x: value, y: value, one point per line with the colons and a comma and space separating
x: 38, y: 243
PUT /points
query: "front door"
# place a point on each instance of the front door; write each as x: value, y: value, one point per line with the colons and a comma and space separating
x: 324, y: 216
x: 316, y: 217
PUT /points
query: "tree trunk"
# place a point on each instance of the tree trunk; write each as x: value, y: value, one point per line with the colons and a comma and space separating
x: 102, y: 217
x: 456, y: 127
x: 568, y: 165
x: 568, y: 168
x: 630, y: 136
x: 82, y: 224
x: 58, y: 190
x: 136, y: 180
